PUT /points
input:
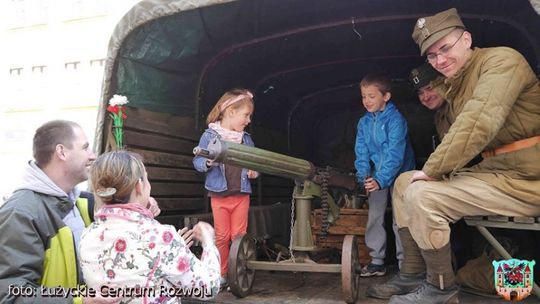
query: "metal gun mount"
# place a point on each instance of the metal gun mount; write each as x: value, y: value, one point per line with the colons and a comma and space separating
x: 310, y: 182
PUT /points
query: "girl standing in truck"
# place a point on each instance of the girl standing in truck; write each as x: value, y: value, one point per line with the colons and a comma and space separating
x: 228, y: 186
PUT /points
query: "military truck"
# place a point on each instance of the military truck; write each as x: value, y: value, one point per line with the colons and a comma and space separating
x: 303, y: 59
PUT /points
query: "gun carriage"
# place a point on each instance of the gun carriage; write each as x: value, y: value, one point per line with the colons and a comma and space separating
x: 310, y: 182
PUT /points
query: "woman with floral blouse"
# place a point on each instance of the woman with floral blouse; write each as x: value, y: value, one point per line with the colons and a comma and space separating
x: 127, y: 254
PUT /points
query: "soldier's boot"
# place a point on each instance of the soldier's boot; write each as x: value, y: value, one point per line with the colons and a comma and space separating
x: 440, y: 285
x: 411, y: 275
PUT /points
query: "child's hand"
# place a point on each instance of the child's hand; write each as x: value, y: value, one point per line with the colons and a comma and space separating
x: 252, y: 174
x: 371, y: 184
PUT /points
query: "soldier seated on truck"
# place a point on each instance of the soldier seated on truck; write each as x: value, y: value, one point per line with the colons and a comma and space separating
x: 495, y: 96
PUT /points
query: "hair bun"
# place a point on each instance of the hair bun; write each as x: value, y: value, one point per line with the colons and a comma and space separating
x: 106, y: 193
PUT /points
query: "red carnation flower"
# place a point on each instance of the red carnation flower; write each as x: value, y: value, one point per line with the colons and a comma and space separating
x: 113, y: 109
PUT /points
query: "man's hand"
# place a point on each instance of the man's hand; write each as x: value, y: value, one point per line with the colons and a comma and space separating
x: 187, y: 235
x: 153, y: 206
x: 371, y: 185
x: 420, y: 175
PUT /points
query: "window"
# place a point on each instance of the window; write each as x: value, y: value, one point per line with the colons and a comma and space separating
x: 71, y: 66
x: 39, y: 69
x: 15, y: 71
x: 97, y: 62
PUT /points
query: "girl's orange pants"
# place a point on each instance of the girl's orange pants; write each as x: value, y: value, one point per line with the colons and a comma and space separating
x: 230, y: 220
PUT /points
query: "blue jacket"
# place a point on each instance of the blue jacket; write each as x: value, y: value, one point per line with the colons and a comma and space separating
x: 382, y: 139
x: 215, y: 175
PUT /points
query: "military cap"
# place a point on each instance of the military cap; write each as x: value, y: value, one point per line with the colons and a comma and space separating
x: 431, y: 29
x: 422, y: 75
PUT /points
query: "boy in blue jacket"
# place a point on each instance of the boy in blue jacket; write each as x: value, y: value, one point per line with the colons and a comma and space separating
x: 383, y: 151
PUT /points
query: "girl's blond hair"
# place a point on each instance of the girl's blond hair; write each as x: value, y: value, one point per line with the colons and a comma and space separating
x: 223, y: 104
x: 115, y: 174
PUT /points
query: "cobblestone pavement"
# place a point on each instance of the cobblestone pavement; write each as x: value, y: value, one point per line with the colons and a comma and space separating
x: 316, y: 288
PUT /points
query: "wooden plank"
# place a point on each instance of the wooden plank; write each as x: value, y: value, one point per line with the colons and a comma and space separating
x: 347, y: 211
x: 271, y: 199
x: 273, y: 191
x: 335, y: 238
x: 255, y: 184
x: 341, y: 230
x: 169, y: 220
x: 164, y: 159
x: 498, y: 218
x: 336, y: 241
x: 177, y: 189
x: 161, y: 123
x: 153, y: 141
x: 524, y: 219
x: 276, y: 181
x: 268, y: 200
x: 181, y: 204
x: 344, y: 221
x: 347, y: 218
x: 174, y: 174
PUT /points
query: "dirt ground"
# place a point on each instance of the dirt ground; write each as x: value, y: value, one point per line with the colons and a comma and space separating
x: 316, y: 288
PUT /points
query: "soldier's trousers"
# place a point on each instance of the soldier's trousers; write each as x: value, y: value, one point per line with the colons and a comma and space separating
x: 427, y: 207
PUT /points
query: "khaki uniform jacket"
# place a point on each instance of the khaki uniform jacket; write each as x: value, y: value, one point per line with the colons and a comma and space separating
x: 496, y: 101
x: 443, y: 120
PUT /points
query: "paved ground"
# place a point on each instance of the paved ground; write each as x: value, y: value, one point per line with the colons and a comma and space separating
x: 316, y: 288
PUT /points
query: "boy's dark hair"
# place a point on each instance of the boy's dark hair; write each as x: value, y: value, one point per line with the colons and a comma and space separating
x: 380, y: 80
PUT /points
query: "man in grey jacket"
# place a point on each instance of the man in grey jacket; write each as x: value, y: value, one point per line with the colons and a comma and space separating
x: 42, y: 222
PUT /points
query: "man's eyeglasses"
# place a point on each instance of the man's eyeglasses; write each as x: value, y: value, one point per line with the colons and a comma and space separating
x: 432, y: 57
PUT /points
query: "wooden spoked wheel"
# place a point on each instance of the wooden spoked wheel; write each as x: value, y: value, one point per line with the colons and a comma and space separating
x: 239, y: 276
x: 349, y: 264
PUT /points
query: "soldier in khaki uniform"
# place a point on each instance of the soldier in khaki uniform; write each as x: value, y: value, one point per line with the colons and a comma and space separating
x: 495, y: 97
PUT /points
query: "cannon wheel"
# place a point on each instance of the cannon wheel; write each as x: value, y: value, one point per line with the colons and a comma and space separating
x: 239, y: 276
x: 349, y: 264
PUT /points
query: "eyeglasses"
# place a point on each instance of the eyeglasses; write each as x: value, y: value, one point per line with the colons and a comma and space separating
x: 432, y: 57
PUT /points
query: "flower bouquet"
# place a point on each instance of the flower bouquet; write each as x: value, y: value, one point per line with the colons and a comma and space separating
x: 117, y: 113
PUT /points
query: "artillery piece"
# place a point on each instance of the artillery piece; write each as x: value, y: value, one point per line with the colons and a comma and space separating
x: 310, y: 182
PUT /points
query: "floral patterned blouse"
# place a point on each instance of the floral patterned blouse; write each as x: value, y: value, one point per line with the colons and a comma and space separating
x: 127, y: 253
